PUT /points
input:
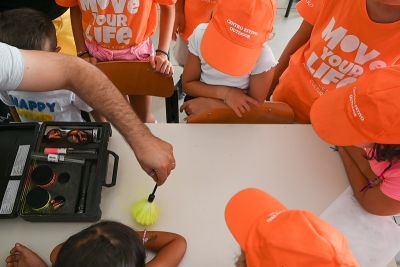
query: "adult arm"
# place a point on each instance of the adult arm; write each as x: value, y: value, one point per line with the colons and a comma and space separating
x: 372, y: 200
x: 96, y: 90
x: 169, y: 248
x: 299, y: 39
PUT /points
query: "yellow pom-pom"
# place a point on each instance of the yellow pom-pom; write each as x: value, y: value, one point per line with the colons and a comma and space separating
x: 145, y: 212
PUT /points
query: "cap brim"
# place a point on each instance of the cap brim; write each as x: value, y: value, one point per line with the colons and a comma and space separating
x: 245, y: 208
x: 226, y: 56
x: 330, y: 119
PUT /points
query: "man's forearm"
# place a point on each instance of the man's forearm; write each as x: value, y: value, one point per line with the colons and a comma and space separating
x: 104, y: 97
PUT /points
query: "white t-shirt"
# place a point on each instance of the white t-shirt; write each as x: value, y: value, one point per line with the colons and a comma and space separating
x: 60, y: 105
x: 211, y: 76
x: 11, y: 67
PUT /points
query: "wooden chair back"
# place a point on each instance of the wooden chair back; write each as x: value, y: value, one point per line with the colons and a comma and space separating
x: 268, y: 112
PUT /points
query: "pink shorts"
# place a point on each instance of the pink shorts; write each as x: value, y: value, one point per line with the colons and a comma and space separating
x: 141, y: 52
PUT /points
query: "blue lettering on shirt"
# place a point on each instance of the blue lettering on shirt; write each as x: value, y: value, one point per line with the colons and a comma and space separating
x: 32, y: 105
x: 51, y: 106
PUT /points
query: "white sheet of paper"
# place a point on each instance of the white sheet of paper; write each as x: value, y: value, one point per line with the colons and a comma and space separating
x: 374, y: 240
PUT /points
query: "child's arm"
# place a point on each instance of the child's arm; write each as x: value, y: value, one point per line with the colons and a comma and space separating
x: 179, y: 25
x: 372, y: 200
x: 76, y: 23
x: 299, y: 39
x: 160, y: 62
x: 260, y: 84
x: 169, y: 248
x: 233, y: 97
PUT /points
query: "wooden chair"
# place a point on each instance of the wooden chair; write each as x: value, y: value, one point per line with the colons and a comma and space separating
x: 138, y: 78
x: 268, y: 112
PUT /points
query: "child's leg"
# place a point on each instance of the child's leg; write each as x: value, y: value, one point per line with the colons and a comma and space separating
x: 21, y: 256
x: 142, y: 106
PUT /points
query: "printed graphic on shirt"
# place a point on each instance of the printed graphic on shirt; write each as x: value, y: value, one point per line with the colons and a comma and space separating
x: 111, y: 26
x: 332, y: 65
x: 34, y: 110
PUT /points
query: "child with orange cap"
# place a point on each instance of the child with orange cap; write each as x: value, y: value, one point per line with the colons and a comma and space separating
x: 122, y: 30
x: 366, y: 114
x: 271, y: 235
x: 229, y: 63
x: 338, y: 41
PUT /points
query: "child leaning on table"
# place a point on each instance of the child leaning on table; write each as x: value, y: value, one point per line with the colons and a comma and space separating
x: 107, y: 244
x: 338, y: 42
x: 122, y: 30
x: 270, y: 235
x: 364, y: 120
x: 229, y: 63
x: 32, y: 30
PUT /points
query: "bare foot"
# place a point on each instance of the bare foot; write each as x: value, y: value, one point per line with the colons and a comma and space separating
x: 21, y: 256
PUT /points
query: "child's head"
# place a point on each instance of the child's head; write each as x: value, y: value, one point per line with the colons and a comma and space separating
x: 364, y: 112
x: 27, y: 29
x: 103, y: 244
x: 271, y: 235
x: 234, y: 38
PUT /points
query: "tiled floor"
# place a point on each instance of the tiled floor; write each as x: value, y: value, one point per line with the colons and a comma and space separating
x: 283, y: 31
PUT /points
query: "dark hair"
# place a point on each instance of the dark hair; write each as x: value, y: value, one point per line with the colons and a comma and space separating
x: 103, y: 244
x: 384, y: 152
x: 26, y: 28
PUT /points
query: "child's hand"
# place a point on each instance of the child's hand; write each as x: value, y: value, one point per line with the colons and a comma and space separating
x: 161, y: 64
x: 179, y: 25
x: 239, y: 101
x: 200, y: 105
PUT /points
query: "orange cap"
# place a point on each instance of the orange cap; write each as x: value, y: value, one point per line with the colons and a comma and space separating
x: 273, y: 236
x: 363, y: 112
x: 236, y: 33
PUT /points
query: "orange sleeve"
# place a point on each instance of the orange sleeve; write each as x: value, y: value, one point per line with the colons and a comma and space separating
x: 67, y: 3
x: 310, y: 9
x: 165, y: 2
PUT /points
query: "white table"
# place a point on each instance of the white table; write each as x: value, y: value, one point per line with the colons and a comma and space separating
x: 213, y: 163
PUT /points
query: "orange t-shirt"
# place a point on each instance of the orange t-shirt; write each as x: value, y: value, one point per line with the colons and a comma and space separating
x: 344, y: 44
x: 196, y: 12
x: 117, y: 24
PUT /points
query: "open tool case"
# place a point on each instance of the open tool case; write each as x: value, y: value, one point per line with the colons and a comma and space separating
x: 54, y: 171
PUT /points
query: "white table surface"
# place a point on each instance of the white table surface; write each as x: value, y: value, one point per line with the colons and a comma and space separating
x: 213, y: 163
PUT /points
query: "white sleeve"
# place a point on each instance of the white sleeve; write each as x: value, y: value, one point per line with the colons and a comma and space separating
x: 80, y: 104
x: 265, y: 62
x: 195, y: 39
x: 11, y: 67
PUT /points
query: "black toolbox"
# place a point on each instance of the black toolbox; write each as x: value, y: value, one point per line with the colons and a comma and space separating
x: 54, y: 172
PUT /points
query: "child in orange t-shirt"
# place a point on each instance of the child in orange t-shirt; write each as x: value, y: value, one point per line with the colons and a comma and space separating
x: 338, y: 41
x: 188, y: 15
x: 121, y: 30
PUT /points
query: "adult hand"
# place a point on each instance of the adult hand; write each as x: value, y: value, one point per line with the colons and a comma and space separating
x: 179, y: 25
x: 161, y: 64
x: 239, y: 101
x: 155, y: 157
